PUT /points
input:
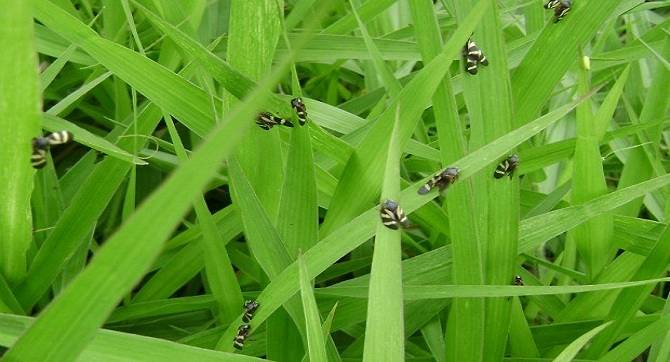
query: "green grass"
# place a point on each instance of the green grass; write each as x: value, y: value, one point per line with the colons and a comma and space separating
x: 141, y: 240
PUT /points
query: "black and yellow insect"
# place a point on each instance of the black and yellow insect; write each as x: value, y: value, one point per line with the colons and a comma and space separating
x: 241, y: 336
x: 442, y: 180
x: 473, y: 57
x: 300, y: 109
x: 506, y: 167
x: 267, y: 120
x: 250, y: 307
x: 393, y: 216
x: 41, y: 145
x: 518, y: 280
x: 561, y: 8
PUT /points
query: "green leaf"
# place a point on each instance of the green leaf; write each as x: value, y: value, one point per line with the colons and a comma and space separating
x: 384, y: 329
x: 109, y: 345
x: 418, y: 292
x: 570, y: 352
x: 315, y: 342
x: 84, y: 137
x: 19, y: 120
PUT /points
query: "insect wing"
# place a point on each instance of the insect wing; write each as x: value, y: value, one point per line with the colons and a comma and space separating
x: 59, y: 138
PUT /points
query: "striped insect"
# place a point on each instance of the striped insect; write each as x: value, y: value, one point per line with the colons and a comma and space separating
x: 393, y: 216
x: 518, y: 280
x: 473, y: 57
x: 561, y: 8
x: 241, y: 336
x: 442, y: 180
x: 250, y: 307
x: 267, y: 120
x: 300, y: 109
x: 506, y: 167
x: 41, y: 145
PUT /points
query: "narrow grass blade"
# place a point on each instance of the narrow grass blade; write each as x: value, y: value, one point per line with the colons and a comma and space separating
x: 570, y: 352
x: 384, y: 330
x: 221, y: 277
x: 73, y: 97
x: 634, y: 345
x: 593, y: 237
x: 8, y: 302
x: 315, y: 342
x: 418, y: 292
x: 84, y: 137
x: 19, y: 120
x: 108, y: 345
x: 49, y: 74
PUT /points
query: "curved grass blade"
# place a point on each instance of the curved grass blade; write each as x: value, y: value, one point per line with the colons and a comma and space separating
x: 570, y: 352
x: 84, y: 137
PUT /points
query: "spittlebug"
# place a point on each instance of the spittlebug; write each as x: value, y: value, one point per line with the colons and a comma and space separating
x: 506, y: 167
x: 473, y: 57
x: 393, y: 216
x: 250, y: 307
x: 442, y: 180
x: 300, y: 109
x: 267, y: 120
x: 241, y: 336
x: 518, y: 280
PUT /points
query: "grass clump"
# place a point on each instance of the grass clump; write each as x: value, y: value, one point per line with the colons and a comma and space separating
x: 143, y: 238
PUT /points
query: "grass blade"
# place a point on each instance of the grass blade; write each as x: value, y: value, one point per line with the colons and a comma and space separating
x: 570, y: 352
x: 19, y: 119
x: 315, y: 342
x: 384, y: 330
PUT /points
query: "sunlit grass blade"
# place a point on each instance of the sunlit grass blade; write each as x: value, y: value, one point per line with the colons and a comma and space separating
x: 593, y: 237
x: 315, y: 342
x: 384, y: 329
x: 638, y: 342
x: 84, y: 137
x: 19, y: 120
x: 570, y: 352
